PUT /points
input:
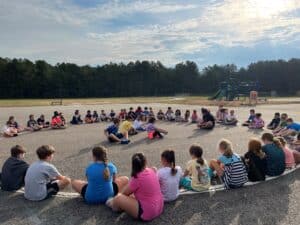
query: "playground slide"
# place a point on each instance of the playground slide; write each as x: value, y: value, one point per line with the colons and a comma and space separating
x: 218, y: 95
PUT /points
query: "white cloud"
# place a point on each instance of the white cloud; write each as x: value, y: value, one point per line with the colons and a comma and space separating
x: 61, y: 31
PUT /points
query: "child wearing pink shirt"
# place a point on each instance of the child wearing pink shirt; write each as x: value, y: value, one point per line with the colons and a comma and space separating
x: 258, y: 122
x: 148, y: 202
x: 194, y: 117
x: 289, y: 155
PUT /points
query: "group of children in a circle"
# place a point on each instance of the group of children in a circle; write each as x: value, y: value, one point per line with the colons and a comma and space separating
x: 143, y: 195
x: 122, y: 127
x: 127, y: 123
x: 150, y: 186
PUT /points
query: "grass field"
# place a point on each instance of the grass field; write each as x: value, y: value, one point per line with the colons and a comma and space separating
x: 190, y: 100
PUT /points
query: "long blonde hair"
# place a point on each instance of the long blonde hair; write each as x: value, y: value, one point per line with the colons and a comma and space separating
x: 226, y: 145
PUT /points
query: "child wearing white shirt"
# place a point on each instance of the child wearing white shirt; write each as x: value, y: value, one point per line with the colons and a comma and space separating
x: 169, y: 176
x: 230, y: 118
x: 138, y: 124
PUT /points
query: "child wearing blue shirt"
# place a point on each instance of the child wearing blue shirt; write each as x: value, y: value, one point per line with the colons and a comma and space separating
x: 227, y: 157
x: 291, y: 129
x: 229, y: 167
x: 275, y: 122
x: 113, y: 135
x: 250, y: 119
x: 274, y: 155
x: 102, y: 182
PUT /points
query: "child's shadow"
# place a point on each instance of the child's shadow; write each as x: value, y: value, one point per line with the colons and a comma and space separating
x: 144, y: 140
x: 256, y: 131
x: 199, y: 132
x: 228, y: 127
x: 88, y: 149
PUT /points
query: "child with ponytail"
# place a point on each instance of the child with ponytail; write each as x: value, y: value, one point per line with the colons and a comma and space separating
x: 169, y: 176
x: 289, y: 155
x: 274, y: 155
x: 196, y: 175
x: 147, y: 202
x: 102, y: 181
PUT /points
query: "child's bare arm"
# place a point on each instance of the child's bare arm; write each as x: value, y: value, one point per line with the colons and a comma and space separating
x: 186, y: 173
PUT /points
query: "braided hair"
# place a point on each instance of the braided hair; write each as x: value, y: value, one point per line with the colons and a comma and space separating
x: 169, y: 156
x: 100, y: 154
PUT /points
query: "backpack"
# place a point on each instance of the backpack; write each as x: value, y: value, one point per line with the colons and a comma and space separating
x: 235, y: 175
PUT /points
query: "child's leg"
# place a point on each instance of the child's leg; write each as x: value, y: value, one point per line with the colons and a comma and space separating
x: 63, y: 183
x: 125, y: 135
x: 21, y: 129
x: 77, y: 185
x: 113, y: 138
x: 161, y: 131
x: 62, y: 126
x: 121, y: 182
x: 125, y: 203
x: 157, y: 133
x: 282, y: 129
x: 132, y: 131
x: 186, y: 183
x: 284, y: 133
x: 8, y: 134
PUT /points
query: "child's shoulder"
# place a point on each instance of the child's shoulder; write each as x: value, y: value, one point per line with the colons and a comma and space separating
x: 111, y: 164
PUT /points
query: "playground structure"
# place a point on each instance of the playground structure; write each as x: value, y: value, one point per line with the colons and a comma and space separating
x: 233, y: 89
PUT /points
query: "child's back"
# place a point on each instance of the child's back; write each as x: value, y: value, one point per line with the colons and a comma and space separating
x: 275, y: 159
x: 169, y: 183
x: 289, y: 157
x: 38, y: 175
x: 99, y: 189
x: 199, y: 174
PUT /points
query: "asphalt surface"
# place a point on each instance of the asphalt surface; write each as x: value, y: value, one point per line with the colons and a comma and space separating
x: 273, y: 202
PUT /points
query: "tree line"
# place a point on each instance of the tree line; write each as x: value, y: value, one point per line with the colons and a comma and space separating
x: 22, y: 78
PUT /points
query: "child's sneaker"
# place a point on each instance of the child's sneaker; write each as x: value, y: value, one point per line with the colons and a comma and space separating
x: 125, y: 142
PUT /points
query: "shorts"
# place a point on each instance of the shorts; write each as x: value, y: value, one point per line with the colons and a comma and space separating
x: 115, y: 188
x: 140, y: 212
x: 52, y: 189
x: 186, y: 183
x: 118, y: 135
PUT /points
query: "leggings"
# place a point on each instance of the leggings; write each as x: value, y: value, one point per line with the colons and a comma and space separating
x: 156, y: 133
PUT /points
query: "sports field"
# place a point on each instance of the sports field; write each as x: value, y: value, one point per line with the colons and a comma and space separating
x: 278, y: 200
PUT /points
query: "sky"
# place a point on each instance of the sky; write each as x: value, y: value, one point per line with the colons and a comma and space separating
x: 96, y: 32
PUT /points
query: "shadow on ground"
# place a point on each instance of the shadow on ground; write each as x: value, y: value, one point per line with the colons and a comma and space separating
x: 265, y: 203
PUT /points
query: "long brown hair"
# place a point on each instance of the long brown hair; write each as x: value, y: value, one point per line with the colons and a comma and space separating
x: 169, y: 156
x: 227, y: 147
x: 138, y: 161
x: 254, y: 145
x: 100, y: 154
x: 270, y: 137
x: 197, y: 151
